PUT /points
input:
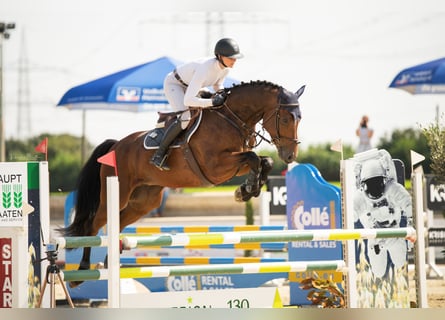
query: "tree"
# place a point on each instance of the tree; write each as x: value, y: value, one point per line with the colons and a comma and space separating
x: 325, y: 160
x: 400, y: 142
x: 64, y: 157
x: 435, y: 136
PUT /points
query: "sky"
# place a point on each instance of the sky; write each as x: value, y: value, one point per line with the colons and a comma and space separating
x: 345, y: 52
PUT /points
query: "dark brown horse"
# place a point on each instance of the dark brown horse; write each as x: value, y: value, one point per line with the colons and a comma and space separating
x: 219, y: 149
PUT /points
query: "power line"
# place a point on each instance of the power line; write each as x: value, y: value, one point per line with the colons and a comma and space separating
x: 366, y: 36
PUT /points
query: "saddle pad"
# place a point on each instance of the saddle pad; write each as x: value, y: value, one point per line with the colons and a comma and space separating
x: 154, y: 137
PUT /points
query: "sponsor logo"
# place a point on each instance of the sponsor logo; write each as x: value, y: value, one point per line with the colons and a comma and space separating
x: 131, y: 94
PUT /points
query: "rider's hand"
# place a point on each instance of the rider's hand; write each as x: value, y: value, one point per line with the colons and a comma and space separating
x: 219, y: 98
x: 204, y: 94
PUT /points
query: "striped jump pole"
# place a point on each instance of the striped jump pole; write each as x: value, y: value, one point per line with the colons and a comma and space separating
x: 102, y: 241
x: 197, y: 228
x: 81, y: 242
x: 244, y: 268
x: 195, y: 260
x: 271, y: 236
x: 231, y: 238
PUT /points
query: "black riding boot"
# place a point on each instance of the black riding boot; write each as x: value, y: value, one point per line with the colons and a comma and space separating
x: 159, y: 159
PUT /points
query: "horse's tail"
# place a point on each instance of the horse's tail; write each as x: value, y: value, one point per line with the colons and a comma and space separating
x: 88, y: 193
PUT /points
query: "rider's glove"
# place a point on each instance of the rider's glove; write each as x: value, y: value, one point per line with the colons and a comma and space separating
x: 204, y: 94
x: 219, y: 98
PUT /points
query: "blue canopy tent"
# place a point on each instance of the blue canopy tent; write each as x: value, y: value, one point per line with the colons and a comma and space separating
x: 136, y: 89
x: 425, y: 78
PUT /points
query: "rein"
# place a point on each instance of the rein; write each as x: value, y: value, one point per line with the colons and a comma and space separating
x: 250, y: 132
x: 242, y: 127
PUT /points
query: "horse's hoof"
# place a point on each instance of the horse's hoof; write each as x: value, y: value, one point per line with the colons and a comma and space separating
x: 238, y: 195
x: 256, y: 194
x: 241, y: 194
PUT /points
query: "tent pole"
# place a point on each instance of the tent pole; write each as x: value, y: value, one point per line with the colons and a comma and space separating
x: 82, y: 142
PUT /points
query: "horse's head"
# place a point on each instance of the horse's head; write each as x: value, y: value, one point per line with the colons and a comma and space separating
x: 282, y: 124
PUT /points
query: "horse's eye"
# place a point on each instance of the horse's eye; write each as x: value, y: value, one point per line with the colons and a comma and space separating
x: 285, y: 119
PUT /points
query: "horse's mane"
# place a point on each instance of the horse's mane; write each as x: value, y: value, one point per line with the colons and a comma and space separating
x: 253, y: 84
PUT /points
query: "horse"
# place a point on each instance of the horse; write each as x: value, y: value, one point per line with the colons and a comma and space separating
x: 216, y: 147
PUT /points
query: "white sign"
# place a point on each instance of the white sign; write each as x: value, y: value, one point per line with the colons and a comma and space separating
x: 14, y: 195
x: 265, y: 297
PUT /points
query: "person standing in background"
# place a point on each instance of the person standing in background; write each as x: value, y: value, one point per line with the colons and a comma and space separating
x: 364, y: 133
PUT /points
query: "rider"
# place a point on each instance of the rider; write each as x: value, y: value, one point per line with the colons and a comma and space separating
x: 185, y: 87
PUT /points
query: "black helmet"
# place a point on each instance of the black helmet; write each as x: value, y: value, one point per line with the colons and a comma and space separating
x: 227, y: 47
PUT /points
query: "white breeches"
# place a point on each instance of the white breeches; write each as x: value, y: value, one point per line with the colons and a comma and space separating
x: 174, y: 92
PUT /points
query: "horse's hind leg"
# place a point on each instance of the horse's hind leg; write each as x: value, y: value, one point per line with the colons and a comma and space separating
x: 98, y: 222
x: 142, y: 200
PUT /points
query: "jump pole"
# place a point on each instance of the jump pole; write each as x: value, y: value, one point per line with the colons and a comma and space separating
x: 148, y: 260
x: 418, y: 214
x: 243, y: 268
x: 113, y: 227
x: 149, y: 230
x: 285, y: 235
x: 231, y: 238
x: 102, y: 241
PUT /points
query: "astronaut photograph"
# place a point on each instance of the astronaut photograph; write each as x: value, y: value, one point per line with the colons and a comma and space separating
x: 380, y: 201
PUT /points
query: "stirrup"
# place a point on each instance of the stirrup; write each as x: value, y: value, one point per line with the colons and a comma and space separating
x: 160, y: 162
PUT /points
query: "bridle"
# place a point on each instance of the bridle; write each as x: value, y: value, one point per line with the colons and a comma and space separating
x: 242, y: 126
x: 277, y: 140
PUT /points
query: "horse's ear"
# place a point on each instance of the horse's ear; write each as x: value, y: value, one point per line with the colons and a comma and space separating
x: 300, y: 91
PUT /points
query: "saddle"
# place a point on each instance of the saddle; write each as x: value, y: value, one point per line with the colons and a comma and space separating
x: 154, y: 137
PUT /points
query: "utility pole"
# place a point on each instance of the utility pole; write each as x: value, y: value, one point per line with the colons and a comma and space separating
x: 23, y: 94
x: 4, y: 34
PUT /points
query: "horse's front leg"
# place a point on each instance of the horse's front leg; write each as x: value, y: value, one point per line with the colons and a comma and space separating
x: 251, y: 187
x: 266, y: 167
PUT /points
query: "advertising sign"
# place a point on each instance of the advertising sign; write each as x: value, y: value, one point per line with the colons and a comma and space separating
x: 278, y: 191
x: 379, y: 200
x: 312, y: 203
x: 13, y: 184
x: 6, y: 272
x: 435, y: 193
x: 24, y: 219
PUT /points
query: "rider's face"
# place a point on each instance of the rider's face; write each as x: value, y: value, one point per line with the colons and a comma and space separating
x: 229, y: 62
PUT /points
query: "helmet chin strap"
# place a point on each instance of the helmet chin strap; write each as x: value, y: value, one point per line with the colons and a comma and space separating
x: 221, y: 60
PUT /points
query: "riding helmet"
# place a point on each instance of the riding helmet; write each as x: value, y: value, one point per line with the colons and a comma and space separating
x: 228, y: 47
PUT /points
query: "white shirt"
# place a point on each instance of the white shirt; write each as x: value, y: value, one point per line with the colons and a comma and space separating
x: 199, y: 74
x: 364, y: 135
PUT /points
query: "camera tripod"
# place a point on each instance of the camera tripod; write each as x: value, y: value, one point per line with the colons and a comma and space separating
x: 51, y: 271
